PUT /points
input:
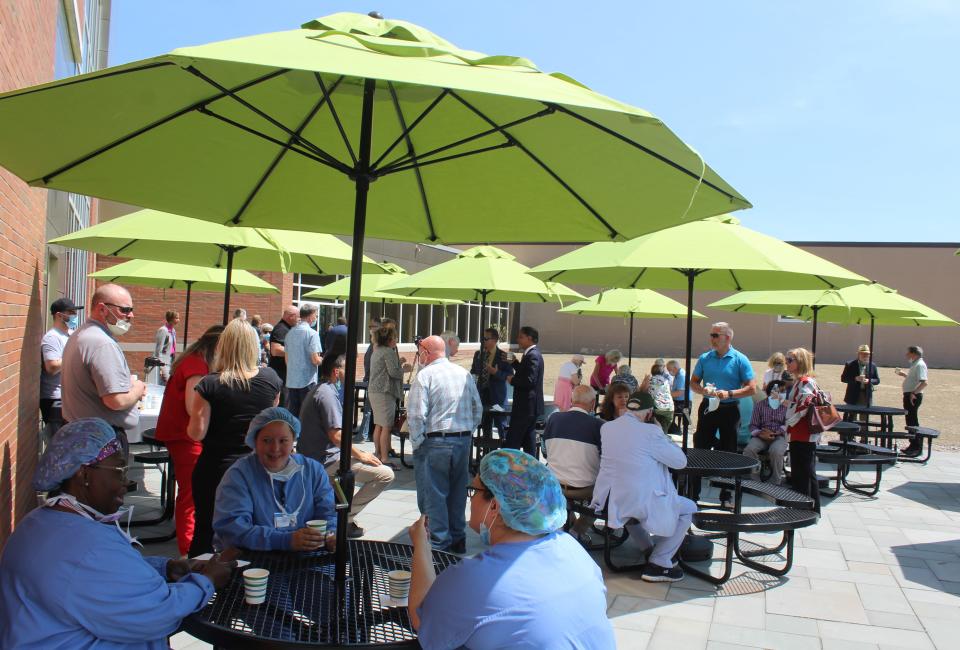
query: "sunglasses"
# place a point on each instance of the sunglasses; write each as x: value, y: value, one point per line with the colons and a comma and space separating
x: 791, y: 359
x: 715, y: 335
x: 126, y: 311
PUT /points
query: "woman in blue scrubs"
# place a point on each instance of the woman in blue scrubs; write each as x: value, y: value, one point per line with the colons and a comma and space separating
x: 69, y: 577
x: 534, y: 587
x: 266, y: 498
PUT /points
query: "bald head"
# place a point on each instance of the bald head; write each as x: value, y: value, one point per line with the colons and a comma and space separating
x: 432, y: 348
x: 107, y: 301
x: 290, y: 315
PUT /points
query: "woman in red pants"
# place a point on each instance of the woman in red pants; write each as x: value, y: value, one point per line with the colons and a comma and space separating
x: 189, y: 368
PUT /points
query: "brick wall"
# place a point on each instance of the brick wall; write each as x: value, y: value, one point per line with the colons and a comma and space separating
x: 27, y: 30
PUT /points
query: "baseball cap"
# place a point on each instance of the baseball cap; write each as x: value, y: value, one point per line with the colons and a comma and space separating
x: 61, y: 305
x: 864, y: 348
x: 640, y: 401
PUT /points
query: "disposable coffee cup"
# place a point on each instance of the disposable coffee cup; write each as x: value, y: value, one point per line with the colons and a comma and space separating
x: 319, y: 525
x: 398, y: 584
x: 255, y: 585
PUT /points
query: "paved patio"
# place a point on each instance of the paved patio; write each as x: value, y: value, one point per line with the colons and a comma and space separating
x: 879, y: 572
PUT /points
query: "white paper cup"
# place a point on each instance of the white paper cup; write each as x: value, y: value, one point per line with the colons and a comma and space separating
x: 255, y: 585
x: 318, y: 525
x: 398, y: 584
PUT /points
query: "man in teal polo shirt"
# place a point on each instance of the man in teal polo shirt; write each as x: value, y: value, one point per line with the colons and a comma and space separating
x: 730, y: 374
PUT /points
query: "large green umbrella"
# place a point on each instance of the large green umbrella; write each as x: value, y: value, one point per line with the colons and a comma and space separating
x: 635, y: 303
x: 167, y: 275
x: 859, y: 302
x: 161, y: 236
x: 482, y: 274
x: 418, y: 139
x: 716, y: 254
x: 370, y: 285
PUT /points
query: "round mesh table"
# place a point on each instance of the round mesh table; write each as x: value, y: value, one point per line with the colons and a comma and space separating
x: 885, y: 413
x: 710, y: 462
x: 302, y: 607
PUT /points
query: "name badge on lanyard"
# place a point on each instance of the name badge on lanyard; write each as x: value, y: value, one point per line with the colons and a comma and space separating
x: 283, y: 520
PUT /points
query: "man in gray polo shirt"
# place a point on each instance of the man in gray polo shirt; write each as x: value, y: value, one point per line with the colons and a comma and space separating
x: 96, y: 380
x: 321, y: 425
x: 914, y: 382
x: 64, y: 313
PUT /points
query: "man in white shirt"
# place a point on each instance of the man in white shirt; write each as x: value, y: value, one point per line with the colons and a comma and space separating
x: 165, y: 344
x: 571, y: 442
x: 634, y: 484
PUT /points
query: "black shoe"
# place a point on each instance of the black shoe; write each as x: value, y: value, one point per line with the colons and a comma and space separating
x: 354, y: 531
x: 655, y: 573
x: 459, y: 547
x: 912, y: 452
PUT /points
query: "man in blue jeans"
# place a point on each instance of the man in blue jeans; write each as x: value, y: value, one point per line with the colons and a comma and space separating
x: 443, y: 411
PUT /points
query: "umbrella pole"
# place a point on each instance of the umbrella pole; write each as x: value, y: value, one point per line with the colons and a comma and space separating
x: 383, y: 307
x: 691, y: 276
x: 186, y: 317
x: 483, y: 309
x: 873, y: 357
x: 813, y: 343
x: 345, y: 476
x: 630, y: 343
x: 226, y: 285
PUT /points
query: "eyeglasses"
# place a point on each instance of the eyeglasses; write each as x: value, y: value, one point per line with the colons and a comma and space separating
x: 122, y: 471
x: 472, y: 490
x: 791, y: 359
x: 715, y: 335
x: 126, y: 311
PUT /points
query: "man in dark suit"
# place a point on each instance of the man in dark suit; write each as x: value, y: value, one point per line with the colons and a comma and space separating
x: 491, y: 367
x: 527, y: 392
x: 860, y: 376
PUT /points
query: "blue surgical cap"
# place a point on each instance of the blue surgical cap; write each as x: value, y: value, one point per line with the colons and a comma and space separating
x: 530, y: 497
x: 73, y: 446
x: 265, y: 417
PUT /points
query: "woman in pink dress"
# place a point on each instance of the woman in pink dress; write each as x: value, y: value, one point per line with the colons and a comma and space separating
x: 606, y: 365
x: 569, y: 377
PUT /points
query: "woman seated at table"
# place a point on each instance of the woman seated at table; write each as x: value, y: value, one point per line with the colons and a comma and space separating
x: 535, y: 587
x: 69, y: 577
x: 614, y: 402
x: 266, y: 498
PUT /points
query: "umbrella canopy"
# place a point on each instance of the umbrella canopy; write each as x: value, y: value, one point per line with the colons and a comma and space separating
x: 265, y: 131
x: 482, y: 273
x: 370, y: 289
x: 161, y: 236
x: 423, y: 140
x: 635, y: 303
x: 167, y: 275
x: 714, y: 254
x: 853, y: 304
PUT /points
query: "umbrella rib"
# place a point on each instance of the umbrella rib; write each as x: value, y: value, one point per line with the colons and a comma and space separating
x: 316, y: 266
x: 240, y: 100
x: 646, y: 150
x: 134, y: 134
x: 418, y: 165
x: 276, y: 161
x: 333, y: 111
x: 825, y: 281
x: 637, y: 279
x: 120, y: 250
x: 611, y: 230
x: 64, y: 84
x: 736, y: 282
x: 402, y: 160
x: 410, y: 128
x: 306, y: 154
x: 410, y: 151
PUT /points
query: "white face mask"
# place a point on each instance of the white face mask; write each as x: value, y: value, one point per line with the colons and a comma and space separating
x: 119, y: 328
x: 82, y: 509
x: 774, y: 402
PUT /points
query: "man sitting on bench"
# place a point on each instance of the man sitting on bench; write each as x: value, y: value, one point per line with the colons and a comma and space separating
x: 768, y: 431
x: 635, y: 486
x: 571, y: 442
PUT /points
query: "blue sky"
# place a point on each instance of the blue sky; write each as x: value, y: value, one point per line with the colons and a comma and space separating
x: 838, y: 120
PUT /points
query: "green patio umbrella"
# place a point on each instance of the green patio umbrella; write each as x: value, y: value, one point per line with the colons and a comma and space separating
x: 635, y: 303
x: 370, y: 289
x: 482, y: 274
x: 356, y: 124
x: 853, y: 304
x: 161, y: 236
x: 167, y: 275
x: 715, y: 254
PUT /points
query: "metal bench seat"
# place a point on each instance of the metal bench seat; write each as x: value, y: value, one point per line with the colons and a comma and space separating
x: 922, y: 433
x: 833, y: 456
x: 780, y: 495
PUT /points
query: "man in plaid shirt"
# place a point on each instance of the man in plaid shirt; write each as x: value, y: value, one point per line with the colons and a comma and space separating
x: 768, y: 430
x: 443, y: 411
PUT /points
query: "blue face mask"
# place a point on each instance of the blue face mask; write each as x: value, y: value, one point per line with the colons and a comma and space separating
x: 267, y: 337
x: 484, y: 529
x: 774, y: 402
x: 73, y: 322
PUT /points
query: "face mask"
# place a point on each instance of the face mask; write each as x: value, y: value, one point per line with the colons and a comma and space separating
x: 69, y: 501
x: 119, y: 328
x: 284, y: 475
x: 283, y: 519
x: 777, y: 367
x: 713, y: 403
x: 484, y: 529
x: 774, y: 402
x: 72, y: 322
x: 267, y: 337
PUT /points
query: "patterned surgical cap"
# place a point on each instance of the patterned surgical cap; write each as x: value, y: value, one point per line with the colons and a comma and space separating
x: 82, y: 442
x: 530, y: 497
x: 265, y: 417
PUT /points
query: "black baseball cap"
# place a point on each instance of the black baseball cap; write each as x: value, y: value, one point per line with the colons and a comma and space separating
x: 61, y: 305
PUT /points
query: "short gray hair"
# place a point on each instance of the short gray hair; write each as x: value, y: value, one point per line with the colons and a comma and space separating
x: 915, y: 349
x: 584, y: 394
x: 307, y: 309
x: 725, y: 326
x: 673, y: 363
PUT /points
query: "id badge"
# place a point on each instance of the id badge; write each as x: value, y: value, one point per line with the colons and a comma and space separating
x: 282, y: 520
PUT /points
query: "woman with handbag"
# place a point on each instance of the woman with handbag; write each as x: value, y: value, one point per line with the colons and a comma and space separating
x: 803, y: 396
x: 385, y: 390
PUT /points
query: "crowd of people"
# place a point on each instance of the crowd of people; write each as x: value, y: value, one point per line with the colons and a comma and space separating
x: 252, y: 417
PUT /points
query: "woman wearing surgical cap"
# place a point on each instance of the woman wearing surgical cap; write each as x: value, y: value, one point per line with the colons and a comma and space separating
x: 534, y: 587
x: 69, y: 577
x: 266, y: 498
